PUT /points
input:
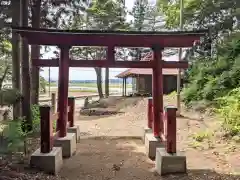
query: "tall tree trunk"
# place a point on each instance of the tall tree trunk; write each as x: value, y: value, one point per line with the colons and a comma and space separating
x: 26, y: 85
x: 99, y: 81
x: 106, y: 82
x: 16, y: 81
x: 35, y: 52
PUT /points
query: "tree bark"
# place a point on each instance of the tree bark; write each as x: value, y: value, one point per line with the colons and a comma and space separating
x: 4, y: 76
x: 16, y: 80
x: 106, y: 82
x: 99, y: 81
x: 35, y: 52
x: 26, y: 85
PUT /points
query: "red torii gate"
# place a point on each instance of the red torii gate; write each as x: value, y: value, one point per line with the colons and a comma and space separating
x: 65, y: 39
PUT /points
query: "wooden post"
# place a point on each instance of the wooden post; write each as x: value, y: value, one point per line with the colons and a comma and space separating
x: 46, y: 129
x: 63, y: 90
x: 53, y: 102
x: 150, y: 112
x: 71, y: 104
x: 157, y: 91
x: 123, y: 86
x: 171, y: 131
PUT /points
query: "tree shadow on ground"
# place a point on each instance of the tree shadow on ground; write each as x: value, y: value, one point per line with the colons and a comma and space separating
x: 119, y: 158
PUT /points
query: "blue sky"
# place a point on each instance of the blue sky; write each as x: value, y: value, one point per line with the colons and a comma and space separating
x: 83, y: 73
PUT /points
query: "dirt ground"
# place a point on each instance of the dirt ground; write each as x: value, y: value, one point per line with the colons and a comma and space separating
x: 106, y: 107
x: 110, y: 149
x: 119, y: 158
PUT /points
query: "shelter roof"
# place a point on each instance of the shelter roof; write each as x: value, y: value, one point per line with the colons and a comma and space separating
x: 134, y: 72
x: 109, y: 38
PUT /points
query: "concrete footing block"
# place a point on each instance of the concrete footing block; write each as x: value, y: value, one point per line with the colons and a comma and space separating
x: 145, y: 131
x: 68, y: 145
x: 75, y: 130
x: 170, y: 163
x: 47, y: 162
x: 151, y: 144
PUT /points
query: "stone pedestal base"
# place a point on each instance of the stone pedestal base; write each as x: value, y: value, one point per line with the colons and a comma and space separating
x: 75, y: 130
x: 68, y: 144
x: 170, y: 163
x: 47, y: 162
x: 151, y: 144
x: 145, y: 131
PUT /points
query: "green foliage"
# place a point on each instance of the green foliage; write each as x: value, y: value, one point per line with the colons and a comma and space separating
x: 36, y: 119
x: 107, y: 15
x: 43, y: 84
x: 229, y: 111
x: 210, y: 78
x: 202, y: 14
x: 201, y: 136
x: 15, y: 135
x: 217, y: 80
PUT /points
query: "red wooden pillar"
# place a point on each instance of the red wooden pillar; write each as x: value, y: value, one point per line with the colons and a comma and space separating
x: 71, y: 104
x: 171, y: 129
x: 63, y: 90
x: 157, y: 93
x: 46, y: 129
x: 150, y: 112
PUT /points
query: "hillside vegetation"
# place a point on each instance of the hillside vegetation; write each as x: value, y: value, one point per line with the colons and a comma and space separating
x: 215, y: 82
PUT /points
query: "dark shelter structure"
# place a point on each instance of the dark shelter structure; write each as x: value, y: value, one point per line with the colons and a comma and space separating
x: 142, y: 80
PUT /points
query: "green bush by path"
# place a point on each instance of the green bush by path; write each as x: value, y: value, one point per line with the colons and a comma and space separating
x: 228, y: 108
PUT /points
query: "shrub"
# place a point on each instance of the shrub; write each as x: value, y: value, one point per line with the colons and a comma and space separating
x: 35, y: 118
x: 191, y: 94
x: 15, y: 135
x: 229, y: 112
